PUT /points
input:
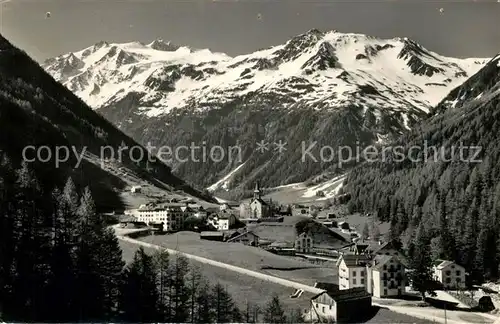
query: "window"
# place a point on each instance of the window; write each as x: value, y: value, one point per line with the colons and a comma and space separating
x: 385, y: 283
x: 458, y: 279
x: 385, y: 291
x: 362, y: 274
x: 354, y: 273
x: 354, y: 281
x: 399, y: 267
x: 385, y: 267
x: 323, y: 309
x: 448, y: 272
x: 362, y: 281
x: 448, y: 280
x: 458, y: 272
x: 317, y: 305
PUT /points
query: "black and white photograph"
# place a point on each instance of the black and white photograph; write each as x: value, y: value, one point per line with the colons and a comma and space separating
x: 250, y: 161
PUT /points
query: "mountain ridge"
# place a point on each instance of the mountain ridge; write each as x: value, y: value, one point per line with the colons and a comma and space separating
x: 352, y: 88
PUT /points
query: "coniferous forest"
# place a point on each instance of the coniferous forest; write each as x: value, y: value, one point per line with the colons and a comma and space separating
x: 60, y: 262
x: 449, y: 205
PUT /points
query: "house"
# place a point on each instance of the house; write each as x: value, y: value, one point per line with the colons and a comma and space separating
x: 212, y: 236
x: 136, y: 189
x: 450, y: 274
x: 257, y: 208
x: 341, y: 305
x: 303, y: 243
x: 386, y: 276
x: 225, y: 221
x: 171, y: 216
x: 247, y: 238
x: 352, y: 270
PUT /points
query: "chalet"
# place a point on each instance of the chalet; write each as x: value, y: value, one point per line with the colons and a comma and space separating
x: 304, y: 243
x: 225, y: 221
x: 352, y: 270
x: 450, y: 274
x: 341, y: 305
x: 247, y: 238
x: 385, y: 276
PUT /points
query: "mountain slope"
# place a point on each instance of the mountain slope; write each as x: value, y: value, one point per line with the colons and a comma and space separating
x: 36, y: 110
x: 334, y: 88
x: 455, y: 195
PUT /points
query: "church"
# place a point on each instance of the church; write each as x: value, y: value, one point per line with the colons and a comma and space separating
x: 257, y: 207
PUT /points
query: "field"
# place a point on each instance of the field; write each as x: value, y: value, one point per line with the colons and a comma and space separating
x: 243, y: 288
x: 246, y: 289
x: 285, y: 232
x: 247, y: 257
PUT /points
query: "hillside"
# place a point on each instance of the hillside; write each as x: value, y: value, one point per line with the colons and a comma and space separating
x: 332, y: 88
x: 36, y: 110
x: 454, y: 198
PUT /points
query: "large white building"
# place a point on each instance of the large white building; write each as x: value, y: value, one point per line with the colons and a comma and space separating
x: 450, y: 274
x: 381, y: 271
x: 352, y: 270
x: 171, y: 216
x: 386, y: 276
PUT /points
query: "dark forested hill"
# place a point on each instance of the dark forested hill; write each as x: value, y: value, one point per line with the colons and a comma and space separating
x: 37, y: 110
x: 454, y: 199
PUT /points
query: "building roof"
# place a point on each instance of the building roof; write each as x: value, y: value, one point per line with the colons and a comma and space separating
x: 346, y: 294
x: 260, y: 200
x: 380, y: 260
x: 211, y: 233
x: 242, y: 234
x: 354, y: 260
x: 329, y: 287
x: 441, y: 264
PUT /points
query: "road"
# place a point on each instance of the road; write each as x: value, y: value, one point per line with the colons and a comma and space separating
x: 431, y: 314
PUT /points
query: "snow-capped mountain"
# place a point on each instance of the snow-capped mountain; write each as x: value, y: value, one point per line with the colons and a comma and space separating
x: 333, y: 88
x: 322, y: 69
x: 485, y: 83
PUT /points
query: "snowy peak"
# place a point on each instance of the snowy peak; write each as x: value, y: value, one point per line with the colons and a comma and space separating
x: 160, y: 45
x: 482, y: 85
x: 321, y: 70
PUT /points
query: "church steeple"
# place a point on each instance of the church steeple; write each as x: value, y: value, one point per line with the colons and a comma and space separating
x: 256, y: 192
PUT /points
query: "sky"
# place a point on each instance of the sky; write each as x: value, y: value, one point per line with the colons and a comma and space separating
x: 466, y: 28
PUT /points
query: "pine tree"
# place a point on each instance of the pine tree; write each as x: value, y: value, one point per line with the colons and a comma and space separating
x: 31, y: 263
x: 375, y: 232
x: 421, y: 263
x: 163, y: 280
x: 138, y: 296
x: 99, y: 263
x: 193, y: 287
x: 204, y: 311
x: 366, y: 232
x: 179, y: 296
x: 222, y: 304
x: 274, y: 312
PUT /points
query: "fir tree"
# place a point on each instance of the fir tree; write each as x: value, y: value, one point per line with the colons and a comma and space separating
x: 138, y: 296
x: 274, y: 312
x: 421, y: 263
